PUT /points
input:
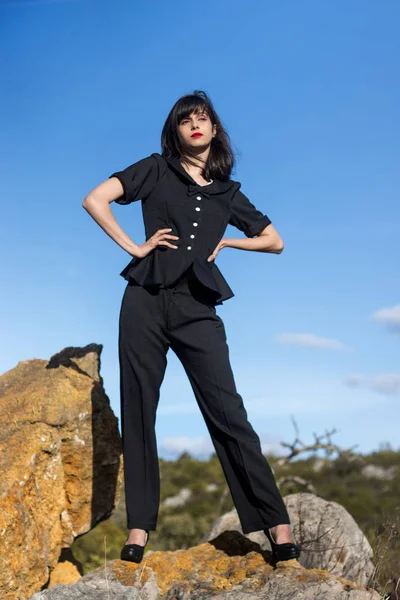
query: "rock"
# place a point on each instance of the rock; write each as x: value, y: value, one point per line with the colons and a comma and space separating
x: 327, y: 534
x: 330, y: 538
x: 60, y: 462
x: 211, y: 487
x: 180, y: 499
x: 65, y: 573
x: 319, y: 464
x: 228, y: 567
x: 377, y: 472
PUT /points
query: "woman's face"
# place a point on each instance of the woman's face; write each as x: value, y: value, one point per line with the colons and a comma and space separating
x: 196, y: 131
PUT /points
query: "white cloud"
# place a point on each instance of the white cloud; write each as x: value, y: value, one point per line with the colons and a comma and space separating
x: 310, y: 340
x: 175, y: 445
x: 356, y: 380
x: 202, y: 447
x: 386, y: 383
x: 389, y: 316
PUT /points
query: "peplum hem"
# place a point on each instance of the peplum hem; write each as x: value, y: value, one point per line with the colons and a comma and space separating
x: 147, y: 271
x: 209, y: 275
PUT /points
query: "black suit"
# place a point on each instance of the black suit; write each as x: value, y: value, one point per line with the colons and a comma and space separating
x: 169, y: 302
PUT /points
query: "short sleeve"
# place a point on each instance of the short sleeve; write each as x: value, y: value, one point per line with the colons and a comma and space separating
x: 138, y: 179
x: 245, y: 216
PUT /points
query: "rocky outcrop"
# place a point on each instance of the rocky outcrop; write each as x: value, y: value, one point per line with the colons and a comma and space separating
x: 61, y: 470
x: 378, y: 472
x: 180, y: 499
x: 328, y: 536
x: 228, y: 567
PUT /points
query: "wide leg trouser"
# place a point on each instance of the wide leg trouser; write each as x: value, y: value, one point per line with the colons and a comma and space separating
x: 182, y: 317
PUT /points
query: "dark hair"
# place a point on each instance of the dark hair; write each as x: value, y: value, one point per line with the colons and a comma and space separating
x: 221, y: 159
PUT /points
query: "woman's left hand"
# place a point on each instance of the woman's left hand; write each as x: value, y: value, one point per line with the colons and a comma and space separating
x: 217, y: 249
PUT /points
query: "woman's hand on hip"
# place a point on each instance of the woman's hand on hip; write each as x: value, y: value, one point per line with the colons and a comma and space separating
x: 158, y: 239
x: 219, y: 246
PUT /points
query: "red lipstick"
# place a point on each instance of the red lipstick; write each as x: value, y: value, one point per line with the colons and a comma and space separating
x: 196, y: 135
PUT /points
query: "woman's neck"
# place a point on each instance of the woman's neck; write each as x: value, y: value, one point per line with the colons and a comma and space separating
x: 194, y: 172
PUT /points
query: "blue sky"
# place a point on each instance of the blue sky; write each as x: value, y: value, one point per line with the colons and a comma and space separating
x: 309, y: 93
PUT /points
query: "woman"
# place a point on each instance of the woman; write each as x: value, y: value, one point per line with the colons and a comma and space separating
x: 170, y: 301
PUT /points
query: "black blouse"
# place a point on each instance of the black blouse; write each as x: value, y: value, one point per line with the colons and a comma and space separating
x: 198, y: 214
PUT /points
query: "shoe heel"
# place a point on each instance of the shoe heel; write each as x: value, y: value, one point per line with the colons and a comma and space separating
x: 134, y: 552
x: 285, y: 551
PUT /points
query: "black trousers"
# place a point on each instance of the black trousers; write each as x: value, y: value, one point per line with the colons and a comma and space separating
x: 183, y: 317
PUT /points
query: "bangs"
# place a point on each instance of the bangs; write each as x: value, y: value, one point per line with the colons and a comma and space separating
x: 190, y: 104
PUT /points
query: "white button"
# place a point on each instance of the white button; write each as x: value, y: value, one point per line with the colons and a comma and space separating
x: 192, y: 236
x: 195, y: 224
x: 198, y: 197
x: 197, y: 208
x: 189, y: 247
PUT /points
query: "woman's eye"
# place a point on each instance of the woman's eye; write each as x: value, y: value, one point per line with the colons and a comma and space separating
x: 186, y: 120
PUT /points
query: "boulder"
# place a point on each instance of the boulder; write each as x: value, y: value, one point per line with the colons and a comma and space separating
x: 378, y: 472
x: 61, y: 463
x: 327, y: 534
x: 228, y: 567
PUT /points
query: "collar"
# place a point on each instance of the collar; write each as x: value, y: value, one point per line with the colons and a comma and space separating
x: 216, y: 187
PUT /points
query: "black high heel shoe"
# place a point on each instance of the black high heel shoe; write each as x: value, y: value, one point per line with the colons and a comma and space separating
x: 284, y: 551
x: 134, y: 552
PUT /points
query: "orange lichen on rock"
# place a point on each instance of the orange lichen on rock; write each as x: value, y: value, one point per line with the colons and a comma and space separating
x: 203, y: 563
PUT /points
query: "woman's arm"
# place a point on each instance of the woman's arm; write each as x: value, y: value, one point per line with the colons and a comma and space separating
x: 248, y: 218
x: 97, y: 204
x: 268, y: 240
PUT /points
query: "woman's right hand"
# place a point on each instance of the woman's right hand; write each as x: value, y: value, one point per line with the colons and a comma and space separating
x: 158, y: 239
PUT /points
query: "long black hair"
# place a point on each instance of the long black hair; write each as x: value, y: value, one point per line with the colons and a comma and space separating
x: 221, y: 159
